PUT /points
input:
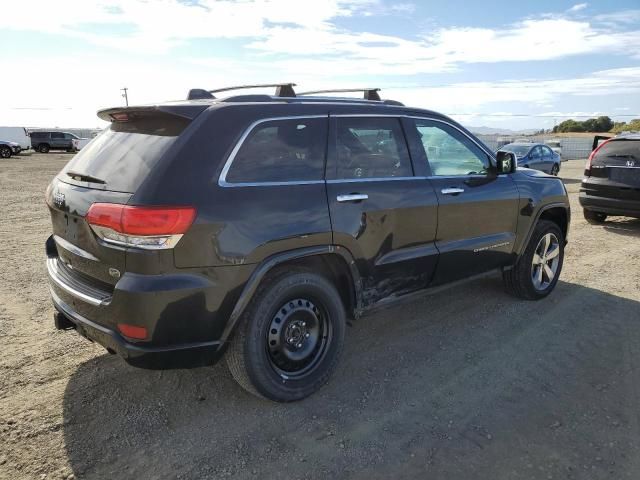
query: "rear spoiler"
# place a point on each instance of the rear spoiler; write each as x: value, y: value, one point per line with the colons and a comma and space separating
x: 123, y: 114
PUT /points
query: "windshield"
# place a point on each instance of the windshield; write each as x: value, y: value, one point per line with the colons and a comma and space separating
x: 519, y: 150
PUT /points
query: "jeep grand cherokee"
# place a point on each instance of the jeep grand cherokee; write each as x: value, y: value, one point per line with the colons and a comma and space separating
x: 256, y: 224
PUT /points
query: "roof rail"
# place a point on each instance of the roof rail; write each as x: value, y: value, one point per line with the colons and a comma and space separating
x: 282, y: 90
x: 369, y: 93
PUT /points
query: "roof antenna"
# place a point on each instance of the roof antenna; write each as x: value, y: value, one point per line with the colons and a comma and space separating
x: 199, y: 94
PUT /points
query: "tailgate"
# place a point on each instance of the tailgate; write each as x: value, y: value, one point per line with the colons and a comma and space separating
x: 78, y: 248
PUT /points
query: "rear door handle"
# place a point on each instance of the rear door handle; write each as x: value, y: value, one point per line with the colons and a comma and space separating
x: 352, y: 197
x: 452, y: 191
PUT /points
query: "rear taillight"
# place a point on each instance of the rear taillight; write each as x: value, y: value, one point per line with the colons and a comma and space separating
x: 587, y: 167
x: 149, y: 228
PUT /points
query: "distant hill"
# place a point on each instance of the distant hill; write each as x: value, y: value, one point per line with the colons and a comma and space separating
x: 499, y: 131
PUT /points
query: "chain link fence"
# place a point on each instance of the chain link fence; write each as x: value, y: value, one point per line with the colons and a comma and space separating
x: 570, y: 148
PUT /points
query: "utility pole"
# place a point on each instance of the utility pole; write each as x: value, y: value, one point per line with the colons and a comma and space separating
x: 126, y: 98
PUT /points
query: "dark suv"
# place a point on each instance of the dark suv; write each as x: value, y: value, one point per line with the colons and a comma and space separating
x: 44, y: 141
x: 256, y: 224
x: 611, y: 184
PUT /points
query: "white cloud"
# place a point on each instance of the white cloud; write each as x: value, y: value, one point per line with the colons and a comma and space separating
x: 304, y: 31
x: 578, y: 6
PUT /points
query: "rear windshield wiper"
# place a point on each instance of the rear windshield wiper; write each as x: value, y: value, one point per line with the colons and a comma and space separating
x: 83, y: 177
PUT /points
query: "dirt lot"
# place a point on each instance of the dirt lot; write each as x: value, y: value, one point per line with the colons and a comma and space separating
x: 466, y: 383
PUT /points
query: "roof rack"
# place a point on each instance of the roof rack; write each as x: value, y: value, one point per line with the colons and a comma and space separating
x: 282, y: 90
x: 369, y: 93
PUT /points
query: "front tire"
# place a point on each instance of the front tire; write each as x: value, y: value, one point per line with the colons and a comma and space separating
x: 290, y: 337
x: 5, y: 152
x: 594, y: 218
x: 537, y: 270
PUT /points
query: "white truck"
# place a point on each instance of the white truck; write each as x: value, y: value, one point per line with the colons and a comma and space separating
x: 19, y: 135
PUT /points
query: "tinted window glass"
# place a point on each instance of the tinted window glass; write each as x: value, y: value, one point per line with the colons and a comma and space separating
x: 535, y: 153
x: 282, y: 151
x: 38, y: 134
x: 618, y: 152
x: 371, y: 148
x: 450, y: 152
x: 124, y: 154
x: 57, y: 135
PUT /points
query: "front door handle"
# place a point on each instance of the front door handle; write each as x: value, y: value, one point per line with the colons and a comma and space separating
x: 352, y: 197
x: 452, y: 191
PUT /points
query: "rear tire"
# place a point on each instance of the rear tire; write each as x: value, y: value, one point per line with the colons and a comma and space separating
x: 536, y: 272
x: 5, y: 152
x: 289, y: 338
x: 594, y: 218
x: 555, y: 170
x: 43, y: 148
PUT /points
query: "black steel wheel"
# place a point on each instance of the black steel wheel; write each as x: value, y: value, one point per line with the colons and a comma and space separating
x: 5, y: 152
x: 298, y: 337
x: 289, y: 339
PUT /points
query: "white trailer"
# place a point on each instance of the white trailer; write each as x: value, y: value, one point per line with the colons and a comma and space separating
x: 20, y: 135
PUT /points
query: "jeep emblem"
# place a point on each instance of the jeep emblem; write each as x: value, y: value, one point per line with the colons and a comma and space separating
x: 58, y: 199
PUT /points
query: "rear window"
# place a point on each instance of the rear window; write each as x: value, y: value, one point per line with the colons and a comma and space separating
x: 618, y: 152
x: 121, y: 157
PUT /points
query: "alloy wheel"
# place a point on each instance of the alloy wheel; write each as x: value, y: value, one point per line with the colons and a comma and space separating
x: 546, y: 259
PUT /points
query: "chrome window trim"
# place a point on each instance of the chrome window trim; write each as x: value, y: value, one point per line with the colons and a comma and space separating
x: 375, y: 179
x: 227, y: 166
x: 222, y: 179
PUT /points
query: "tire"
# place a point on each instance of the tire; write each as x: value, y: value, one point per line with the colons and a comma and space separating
x: 555, y: 169
x: 529, y: 279
x: 5, y: 152
x: 526, y: 166
x: 594, y: 218
x: 290, y: 305
x: 43, y: 148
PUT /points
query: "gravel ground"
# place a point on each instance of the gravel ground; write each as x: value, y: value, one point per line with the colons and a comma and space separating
x: 465, y: 383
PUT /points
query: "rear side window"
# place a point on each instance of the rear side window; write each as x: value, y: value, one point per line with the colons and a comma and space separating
x: 291, y: 150
x: 57, y: 135
x: 123, y: 155
x: 371, y: 147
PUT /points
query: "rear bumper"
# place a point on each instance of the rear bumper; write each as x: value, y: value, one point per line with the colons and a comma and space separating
x: 184, y: 312
x: 610, y: 206
x: 174, y: 356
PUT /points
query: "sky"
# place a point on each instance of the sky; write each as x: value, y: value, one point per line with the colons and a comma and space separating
x: 503, y: 64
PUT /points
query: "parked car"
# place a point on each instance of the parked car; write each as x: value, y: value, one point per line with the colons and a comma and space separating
x: 172, y: 246
x: 611, y: 183
x: 45, y: 141
x: 18, y: 135
x: 80, y: 143
x: 556, y: 146
x: 9, y: 148
x: 536, y: 156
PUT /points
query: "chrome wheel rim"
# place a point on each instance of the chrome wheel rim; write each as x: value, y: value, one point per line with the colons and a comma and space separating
x: 546, y: 259
x: 298, y: 338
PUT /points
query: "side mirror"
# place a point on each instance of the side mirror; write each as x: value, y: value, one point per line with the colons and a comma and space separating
x: 505, y: 163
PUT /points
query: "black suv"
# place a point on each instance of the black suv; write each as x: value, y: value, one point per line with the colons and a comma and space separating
x: 44, y: 141
x: 611, y: 184
x: 256, y: 224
